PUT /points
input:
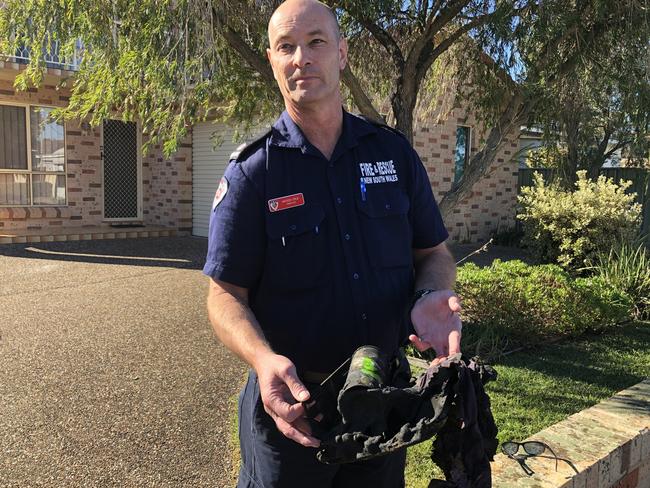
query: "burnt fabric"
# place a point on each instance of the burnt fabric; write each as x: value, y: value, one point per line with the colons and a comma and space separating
x: 467, y: 442
x: 447, y: 399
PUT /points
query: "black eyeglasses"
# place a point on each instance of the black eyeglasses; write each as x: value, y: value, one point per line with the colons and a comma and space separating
x: 531, y: 448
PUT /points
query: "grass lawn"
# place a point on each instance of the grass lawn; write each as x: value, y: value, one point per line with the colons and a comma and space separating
x: 539, y: 387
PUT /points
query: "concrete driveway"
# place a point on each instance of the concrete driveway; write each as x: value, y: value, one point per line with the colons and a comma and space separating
x: 110, y: 373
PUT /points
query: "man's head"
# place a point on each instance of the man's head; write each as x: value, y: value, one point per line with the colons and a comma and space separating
x: 306, y: 53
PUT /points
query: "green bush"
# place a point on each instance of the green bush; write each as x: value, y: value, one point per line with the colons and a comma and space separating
x: 572, y: 228
x: 627, y: 268
x: 602, y: 304
x: 511, y: 304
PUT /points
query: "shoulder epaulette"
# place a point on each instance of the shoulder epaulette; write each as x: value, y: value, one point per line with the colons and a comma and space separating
x: 247, y: 148
x: 380, y: 124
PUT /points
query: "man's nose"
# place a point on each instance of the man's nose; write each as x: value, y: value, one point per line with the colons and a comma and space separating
x: 301, y: 57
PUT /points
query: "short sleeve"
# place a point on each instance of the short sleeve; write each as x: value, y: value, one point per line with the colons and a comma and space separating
x: 237, y: 236
x: 428, y: 227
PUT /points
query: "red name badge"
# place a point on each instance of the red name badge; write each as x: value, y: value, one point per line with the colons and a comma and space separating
x: 283, y: 203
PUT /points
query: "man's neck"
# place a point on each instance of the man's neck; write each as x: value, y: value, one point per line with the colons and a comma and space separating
x: 321, y: 127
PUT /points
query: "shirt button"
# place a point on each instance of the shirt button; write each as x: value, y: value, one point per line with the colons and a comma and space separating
x: 339, y: 200
x: 347, y: 237
x: 388, y: 206
x: 364, y: 316
x: 292, y: 227
x: 355, y: 276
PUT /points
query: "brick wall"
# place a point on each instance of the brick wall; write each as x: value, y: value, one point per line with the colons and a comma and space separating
x: 608, y: 444
x: 167, y: 187
x: 167, y: 183
x: 491, y: 206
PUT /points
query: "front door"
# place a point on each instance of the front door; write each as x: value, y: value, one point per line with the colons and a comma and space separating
x: 121, y: 171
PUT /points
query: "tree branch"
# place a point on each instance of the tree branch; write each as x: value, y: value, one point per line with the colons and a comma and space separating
x: 252, y: 57
x: 617, y: 146
x: 444, y: 17
x: 421, y: 48
x: 361, y: 100
x: 383, y: 37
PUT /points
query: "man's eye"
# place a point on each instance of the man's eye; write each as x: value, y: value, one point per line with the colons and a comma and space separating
x: 318, y: 41
x: 284, y: 47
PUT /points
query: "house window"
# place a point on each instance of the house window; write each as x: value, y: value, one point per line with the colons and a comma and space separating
x: 32, y: 157
x: 462, y: 151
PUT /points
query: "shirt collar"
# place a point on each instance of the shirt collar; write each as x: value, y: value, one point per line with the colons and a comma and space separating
x: 287, y: 134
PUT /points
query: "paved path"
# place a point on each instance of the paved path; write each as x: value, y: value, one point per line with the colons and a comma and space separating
x: 109, y: 371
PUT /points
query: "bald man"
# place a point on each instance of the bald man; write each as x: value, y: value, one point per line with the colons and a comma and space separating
x: 324, y: 232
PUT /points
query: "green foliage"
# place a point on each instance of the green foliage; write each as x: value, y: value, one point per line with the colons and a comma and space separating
x: 627, y: 268
x: 602, y: 304
x: 604, y: 106
x: 171, y: 63
x: 549, y: 156
x: 572, y: 228
x: 164, y: 63
x: 510, y: 304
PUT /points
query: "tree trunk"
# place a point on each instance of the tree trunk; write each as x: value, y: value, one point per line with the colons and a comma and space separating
x: 567, y: 168
x: 403, y: 112
x: 598, y: 156
x: 360, y: 98
x: 403, y: 103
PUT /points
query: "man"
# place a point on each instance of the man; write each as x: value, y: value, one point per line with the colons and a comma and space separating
x: 321, y: 232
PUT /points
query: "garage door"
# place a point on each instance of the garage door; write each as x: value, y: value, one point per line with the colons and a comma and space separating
x: 208, y: 166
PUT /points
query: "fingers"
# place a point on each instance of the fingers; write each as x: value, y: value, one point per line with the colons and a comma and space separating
x: 297, y: 389
x: 454, y: 303
x: 278, y: 406
x: 438, y: 359
x: 419, y: 344
x: 294, y: 431
x: 454, y: 342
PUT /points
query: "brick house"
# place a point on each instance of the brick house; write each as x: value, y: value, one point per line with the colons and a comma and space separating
x: 445, y: 149
x: 71, y: 181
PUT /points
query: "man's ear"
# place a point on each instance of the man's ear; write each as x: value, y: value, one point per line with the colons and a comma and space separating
x: 343, y: 53
x: 268, y: 56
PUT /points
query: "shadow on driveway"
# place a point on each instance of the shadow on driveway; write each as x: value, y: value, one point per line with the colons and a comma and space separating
x: 168, y: 252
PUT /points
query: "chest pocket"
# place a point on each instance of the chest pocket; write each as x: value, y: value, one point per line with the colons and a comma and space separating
x: 297, y: 251
x: 384, y: 221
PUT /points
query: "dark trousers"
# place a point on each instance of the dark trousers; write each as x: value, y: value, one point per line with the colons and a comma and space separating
x: 270, y: 460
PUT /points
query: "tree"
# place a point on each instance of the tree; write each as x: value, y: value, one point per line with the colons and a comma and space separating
x: 536, y: 56
x: 172, y: 63
x: 603, y: 108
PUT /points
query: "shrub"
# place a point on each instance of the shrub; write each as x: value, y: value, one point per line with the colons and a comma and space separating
x: 572, y: 228
x: 510, y: 304
x: 627, y: 268
x: 602, y: 305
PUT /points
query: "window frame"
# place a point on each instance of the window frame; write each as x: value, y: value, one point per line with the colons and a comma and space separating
x: 468, y: 150
x: 29, y: 171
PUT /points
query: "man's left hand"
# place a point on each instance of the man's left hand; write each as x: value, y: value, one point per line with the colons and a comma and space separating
x: 437, y: 324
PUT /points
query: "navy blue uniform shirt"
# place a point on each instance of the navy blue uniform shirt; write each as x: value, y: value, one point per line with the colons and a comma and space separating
x: 324, y: 247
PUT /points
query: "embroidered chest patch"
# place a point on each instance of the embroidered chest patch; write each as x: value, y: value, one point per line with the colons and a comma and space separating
x: 378, y: 172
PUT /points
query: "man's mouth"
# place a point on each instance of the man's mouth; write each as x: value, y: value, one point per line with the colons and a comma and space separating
x: 304, y: 78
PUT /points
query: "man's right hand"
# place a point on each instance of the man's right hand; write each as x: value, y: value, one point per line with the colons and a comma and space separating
x: 282, y: 394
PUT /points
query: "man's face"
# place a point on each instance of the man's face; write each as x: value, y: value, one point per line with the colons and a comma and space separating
x: 306, y: 54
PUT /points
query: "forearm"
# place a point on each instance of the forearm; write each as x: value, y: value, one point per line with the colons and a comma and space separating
x: 435, y: 269
x: 235, y: 324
